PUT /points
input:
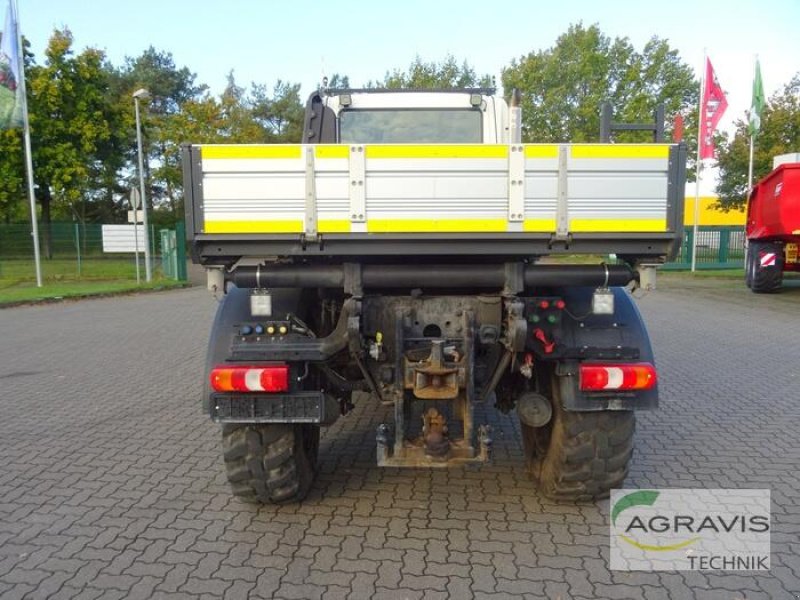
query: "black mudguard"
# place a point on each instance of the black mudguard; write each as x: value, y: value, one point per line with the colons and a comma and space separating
x: 599, y: 336
x: 233, y: 309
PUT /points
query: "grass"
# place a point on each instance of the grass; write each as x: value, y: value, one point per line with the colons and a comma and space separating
x: 66, y: 269
x: 703, y: 274
x: 28, y: 292
x: 60, y: 278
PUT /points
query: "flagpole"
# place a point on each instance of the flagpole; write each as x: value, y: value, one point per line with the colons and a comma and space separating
x: 749, y: 119
x: 699, y: 164
x: 26, y: 125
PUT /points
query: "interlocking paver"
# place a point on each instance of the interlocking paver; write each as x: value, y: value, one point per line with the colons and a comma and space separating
x: 112, y: 486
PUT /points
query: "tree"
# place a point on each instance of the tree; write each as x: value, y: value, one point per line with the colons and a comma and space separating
x: 170, y: 88
x: 337, y: 81
x: 71, y: 120
x: 779, y: 134
x: 12, y: 176
x: 433, y: 75
x: 563, y: 88
x: 281, y: 114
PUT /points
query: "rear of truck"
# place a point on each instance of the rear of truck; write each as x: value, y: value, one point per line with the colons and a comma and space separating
x: 773, y: 226
x: 399, y: 252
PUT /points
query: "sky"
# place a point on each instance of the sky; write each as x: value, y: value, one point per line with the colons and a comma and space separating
x: 299, y: 41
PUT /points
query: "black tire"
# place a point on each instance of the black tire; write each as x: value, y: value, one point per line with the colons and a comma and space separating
x: 270, y: 464
x: 765, y: 279
x: 748, y: 265
x: 580, y: 456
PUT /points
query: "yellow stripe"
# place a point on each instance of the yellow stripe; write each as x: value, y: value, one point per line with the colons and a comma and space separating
x: 619, y: 225
x: 324, y: 226
x: 620, y: 151
x: 332, y: 151
x: 334, y: 226
x: 437, y: 151
x: 294, y: 226
x: 541, y: 151
x: 548, y: 225
x: 436, y: 225
x: 243, y: 151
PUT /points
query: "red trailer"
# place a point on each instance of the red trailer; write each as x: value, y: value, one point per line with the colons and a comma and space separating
x: 773, y: 226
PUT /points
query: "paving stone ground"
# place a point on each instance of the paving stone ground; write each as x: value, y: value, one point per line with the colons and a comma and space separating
x: 111, y: 482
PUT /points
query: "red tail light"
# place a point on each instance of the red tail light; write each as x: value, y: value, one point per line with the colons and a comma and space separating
x: 601, y: 377
x: 230, y: 378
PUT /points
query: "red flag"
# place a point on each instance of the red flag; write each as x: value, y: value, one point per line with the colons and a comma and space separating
x: 711, y: 110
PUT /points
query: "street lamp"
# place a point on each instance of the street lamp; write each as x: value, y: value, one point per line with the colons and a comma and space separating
x: 142, y: 94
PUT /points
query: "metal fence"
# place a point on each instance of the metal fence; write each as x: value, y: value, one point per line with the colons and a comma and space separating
x: 717, y: 248
x: 75, y: 251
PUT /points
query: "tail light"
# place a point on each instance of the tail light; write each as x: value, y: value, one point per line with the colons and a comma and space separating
x: 602, y: 377
x: 237, y: 378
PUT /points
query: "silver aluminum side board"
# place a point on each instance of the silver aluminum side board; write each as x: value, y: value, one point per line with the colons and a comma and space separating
x: 516, y: 184
x: 562, y: 197
x: 358, y: 188
x: 311, y: 196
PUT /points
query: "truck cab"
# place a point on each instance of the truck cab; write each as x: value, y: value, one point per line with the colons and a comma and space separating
x: 471, y: 116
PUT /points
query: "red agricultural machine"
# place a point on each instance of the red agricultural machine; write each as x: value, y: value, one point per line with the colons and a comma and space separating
x: 773, y: 226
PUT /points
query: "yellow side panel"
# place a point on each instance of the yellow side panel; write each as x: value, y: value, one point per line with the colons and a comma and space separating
x: 541, y: 151
x: 334, y: 226
x: 708, y: 215
x: 437, y: 151
x: 243, y: 151
x: 295, y: 226
x: 617, y: 225
x: 619, y: 151
x: 324, y: 226
x: 332, y: 151
x: 436, y: 225
x: 546, y: 225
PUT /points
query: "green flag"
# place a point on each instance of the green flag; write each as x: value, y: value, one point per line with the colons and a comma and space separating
x: 757, y: 105
x: 11, y: 100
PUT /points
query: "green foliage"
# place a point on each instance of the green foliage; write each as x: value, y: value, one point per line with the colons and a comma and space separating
x: 84, y: 135
x: 337, y: 81
x: 563, y: 88
x: 169, y: 86
x: 72, y: 126
x: 12, y: 176
x: 779, y: 134
x: 433, y: 75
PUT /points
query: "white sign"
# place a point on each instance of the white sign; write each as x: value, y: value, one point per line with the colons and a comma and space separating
x: 134, y: 198
x: 690, y: 530
x: 122, y: 238
x: 138, y: 216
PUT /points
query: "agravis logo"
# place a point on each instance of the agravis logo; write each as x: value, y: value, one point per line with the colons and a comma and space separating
x: 690, y: 529
x: 645, y: 498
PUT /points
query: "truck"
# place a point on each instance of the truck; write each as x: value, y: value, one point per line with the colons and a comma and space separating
x: 773, y: 226
x: 413, y: 253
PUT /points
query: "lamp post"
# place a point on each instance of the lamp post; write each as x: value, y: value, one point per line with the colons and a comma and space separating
x: 142, y: 94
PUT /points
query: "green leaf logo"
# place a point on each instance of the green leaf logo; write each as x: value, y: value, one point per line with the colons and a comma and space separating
x: 639, y: 498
